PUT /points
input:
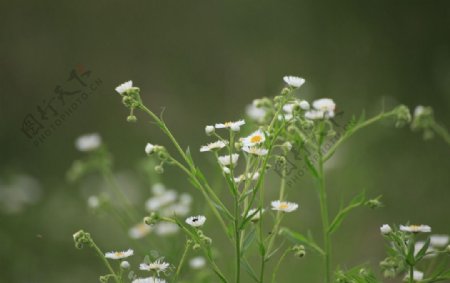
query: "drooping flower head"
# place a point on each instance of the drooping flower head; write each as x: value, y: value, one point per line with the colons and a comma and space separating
x: 213, y: 146
x: 234, y: 126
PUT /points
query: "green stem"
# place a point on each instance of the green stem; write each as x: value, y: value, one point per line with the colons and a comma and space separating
x: 348, y: 134
x: 277, y: 266
x: 105, y: 261
x: 441, y: 131
x: 183, y: 258
x: 411, y: 274
x: 237, y: 239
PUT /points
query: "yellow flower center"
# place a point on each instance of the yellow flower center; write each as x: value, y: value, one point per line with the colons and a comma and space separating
x: 228, y: 124
x: 119, y: 254
x: 256, y: 139
x: 284, y: 205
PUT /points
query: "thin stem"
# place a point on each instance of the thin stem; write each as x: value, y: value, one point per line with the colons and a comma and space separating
x: 441, y: 131
x: 355, y: 129
x: 183, y: 258
x: 105, y: 261
x: 277, y: 266
x: 237, y: 239
x: 411, y: 274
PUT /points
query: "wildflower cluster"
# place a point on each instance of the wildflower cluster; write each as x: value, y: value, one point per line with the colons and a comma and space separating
x: 242, y: 153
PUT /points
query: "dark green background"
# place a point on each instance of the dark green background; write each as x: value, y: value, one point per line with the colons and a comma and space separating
x: 204, y: 61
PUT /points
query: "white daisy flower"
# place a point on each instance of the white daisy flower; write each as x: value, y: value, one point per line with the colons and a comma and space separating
x: 417, y: 275
x: 226, y: 160
x: 416, y: 228
x: 119, y: 255
x: 209, y: 130
x: 294, y: 81
x: 213, y: 146
x: 149, y: 280
x: 157, y: 266
x: 256, y: 214
x: 255, y: 150
x: 196, y: 221
x: 139, y: 231
x: 166, y: 229
x: 304, y: 105
x: 326, y: 105
x: 149, y: 148
x: 385, y: 229
x: 254, y: 138
x: 284, y: 206
x: 241, y: 178
x: 439, y: 241
x: 197, y: 262
x: 124, y: 87
x: 255, y: 113
x: 88, y: 142
x: 234, y: 126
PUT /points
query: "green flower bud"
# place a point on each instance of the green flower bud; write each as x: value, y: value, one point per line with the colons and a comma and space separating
x: 285, y: 91
x: 402, y: 115
x: 131, y: 119
x: 159, y: 169
x: 299, y: 250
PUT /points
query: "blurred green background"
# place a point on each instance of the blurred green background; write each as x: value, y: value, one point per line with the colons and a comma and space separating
x: 204, y: 61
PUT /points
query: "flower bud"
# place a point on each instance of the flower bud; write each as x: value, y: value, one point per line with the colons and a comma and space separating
x: 209, y: 130
x: 159, y: 169
x: 124, y: 264
x: 304, y: 105
x: 285, y: 91
x: 287, y: 146
x: 402, y: 115
x: 299, y: 250
x: 131, y: 119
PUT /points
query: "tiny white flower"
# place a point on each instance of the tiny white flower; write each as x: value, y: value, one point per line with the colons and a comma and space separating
x: 166, y: 229
x: 284, y: 206
x: 304, y: 105
x: 287, y: 145
x: 119, y: 255
x: 254, y: 138
x: 285, y: 117
x: 226, y: 170
x: 88, y: 142
x: 149, y: 280
x: 139, y: 231
x: 294, y: 81
x: 226, y: 160
x: 209, y: 130
x: 326, y: 105
x: 125, y: 264
x: 93, y: 202
x: 255, y: 150
x: 255, y: 113
x: 417, y: 275
x: 256, y: 214
x: 289, y: 108
x: 149, y: 148
x: 234, y: 126
x: 213, y: 146
x: 124, y: 87
x: 419, y: 110
x: 416, y: 228
x: 314, y: 114
x: 197, y: 262
x: 439, y: 241
x: 157, y: 266
x: 196, y: 221
x: 385, y: 229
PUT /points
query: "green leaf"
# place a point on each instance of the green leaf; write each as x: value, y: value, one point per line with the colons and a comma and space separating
x: 247, y: 267
x: 248, y: 241
x: 301, y: 239
x: 410, y: 255
x: 357, y: 201
x: 423, y: 250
